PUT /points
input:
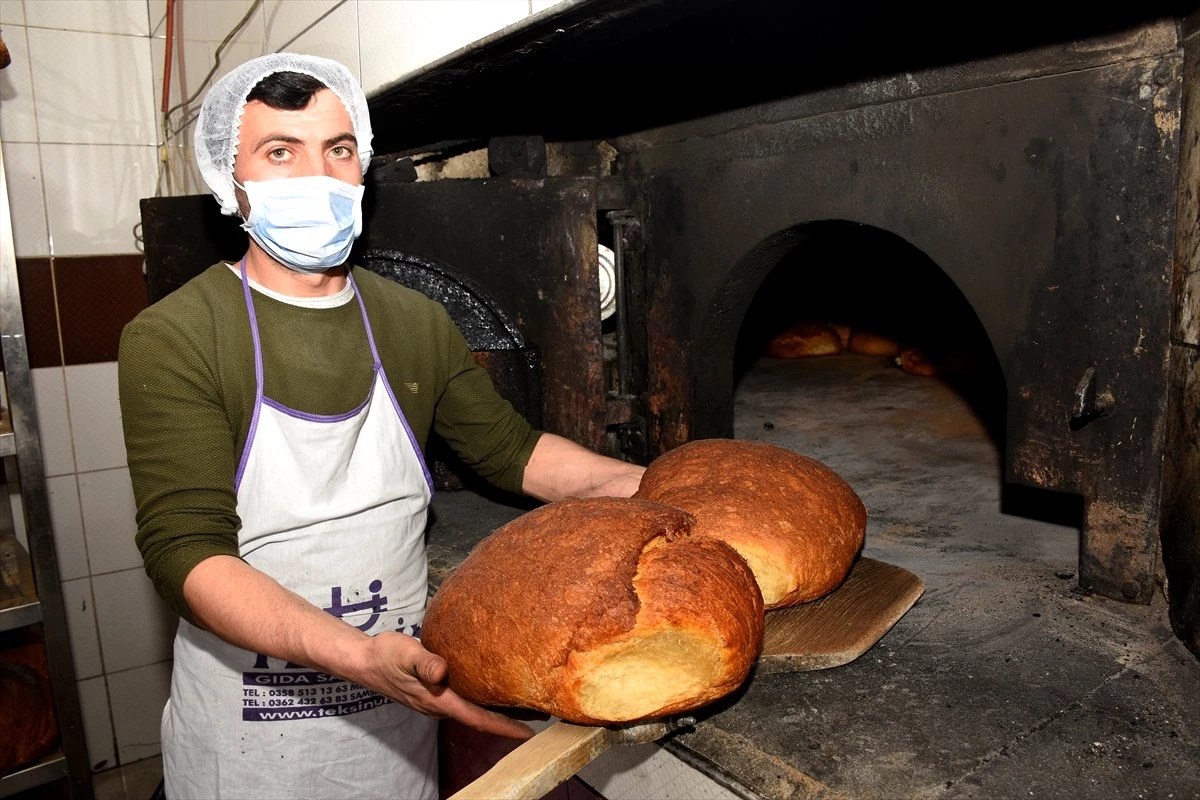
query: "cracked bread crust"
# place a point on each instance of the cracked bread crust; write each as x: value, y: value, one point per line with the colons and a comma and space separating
x: 597, y: 611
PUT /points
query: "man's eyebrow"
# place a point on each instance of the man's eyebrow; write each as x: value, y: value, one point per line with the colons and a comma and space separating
x: 276, y: 137
x: 340, y: 138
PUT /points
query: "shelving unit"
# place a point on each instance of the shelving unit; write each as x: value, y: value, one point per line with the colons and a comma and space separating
x: 30, y: 591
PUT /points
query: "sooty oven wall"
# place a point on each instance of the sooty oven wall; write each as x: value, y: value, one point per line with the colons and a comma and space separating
x: 1048, y: 198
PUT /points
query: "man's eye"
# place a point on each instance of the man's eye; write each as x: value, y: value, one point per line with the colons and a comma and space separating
x: 279, y: 153
x: 341, y: 151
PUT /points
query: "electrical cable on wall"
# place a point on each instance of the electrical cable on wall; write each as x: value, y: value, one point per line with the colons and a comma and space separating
x: 165, y: 162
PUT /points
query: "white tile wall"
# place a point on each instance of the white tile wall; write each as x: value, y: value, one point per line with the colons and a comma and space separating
x: 17, y: 120
x: 94, y: 16
x: 138, y: 697
x: 397, y: 38
x: 81, y: 624
x: 66, y: 520
x: 12, y: 12
x: 92, y: 194
x: 27, y: 211
x: 106, y: 500
x: 54, y: 430
x: 184, y: 176
x: 92, y: 88
x: 95, y: 416
x: 187, y: 174
x: 156, y: 12
x: 336, y: 36
x: 284, y: 19
x: 97, y: 723
x: 136, y: 627
x: 195, y: 56
x: 212, y: 20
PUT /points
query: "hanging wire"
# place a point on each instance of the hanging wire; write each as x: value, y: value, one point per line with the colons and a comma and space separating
x: 311, y: 25
x: 183, y: 126
x: 216, y: 60
x: 167, y: 171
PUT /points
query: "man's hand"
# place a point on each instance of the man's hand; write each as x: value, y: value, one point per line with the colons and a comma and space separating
x: 400, y: 667
x: 561, y: 468
x: 251, y: 610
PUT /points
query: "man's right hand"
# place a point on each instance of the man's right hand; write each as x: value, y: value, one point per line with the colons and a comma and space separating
x: 400, y: 667
x: 251, y: 610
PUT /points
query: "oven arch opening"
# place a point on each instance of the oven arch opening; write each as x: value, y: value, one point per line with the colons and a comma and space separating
x: 865, y: 278
x: 871, y: 281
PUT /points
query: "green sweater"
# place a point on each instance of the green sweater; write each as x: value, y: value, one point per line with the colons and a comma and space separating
x: 186, y: 380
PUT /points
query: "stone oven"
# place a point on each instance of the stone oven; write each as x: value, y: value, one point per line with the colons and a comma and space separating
x: 1025, y: 183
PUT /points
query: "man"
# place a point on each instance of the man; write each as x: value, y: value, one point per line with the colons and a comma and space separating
x: 275, y: 412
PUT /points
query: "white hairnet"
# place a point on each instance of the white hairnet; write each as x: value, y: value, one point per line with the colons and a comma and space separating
x: 220, y: 119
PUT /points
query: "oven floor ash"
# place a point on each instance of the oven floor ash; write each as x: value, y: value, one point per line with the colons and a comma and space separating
x: 1003, y: 681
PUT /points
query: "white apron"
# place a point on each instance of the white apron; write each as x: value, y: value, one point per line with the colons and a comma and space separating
x: 334, y: 508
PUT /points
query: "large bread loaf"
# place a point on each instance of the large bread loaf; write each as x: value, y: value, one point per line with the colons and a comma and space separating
x: 798, y: 524
x: 597, y: 611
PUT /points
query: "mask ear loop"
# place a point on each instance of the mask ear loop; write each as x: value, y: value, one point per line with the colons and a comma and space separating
x: 246, y: 219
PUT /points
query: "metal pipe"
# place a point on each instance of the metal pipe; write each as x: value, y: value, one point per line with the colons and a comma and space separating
x: 619, y: 220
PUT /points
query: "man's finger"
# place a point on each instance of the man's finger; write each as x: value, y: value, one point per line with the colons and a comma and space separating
x: 430, y: 668
x: 482, y: 719
x: 492, y: 722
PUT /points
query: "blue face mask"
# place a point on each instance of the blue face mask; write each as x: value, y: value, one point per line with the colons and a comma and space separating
x: 308, y: 224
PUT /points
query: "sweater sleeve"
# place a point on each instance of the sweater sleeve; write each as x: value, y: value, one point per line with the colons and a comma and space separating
x: 181, y: 452
x: 482, y: 427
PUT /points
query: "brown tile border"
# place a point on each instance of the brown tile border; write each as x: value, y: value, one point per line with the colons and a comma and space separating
x: 76, y: 306
x: 97, y: 295
x: 38, y: 311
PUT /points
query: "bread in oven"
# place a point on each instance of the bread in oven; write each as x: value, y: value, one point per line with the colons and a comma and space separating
x: 806, y: 339
x: 866, y: 343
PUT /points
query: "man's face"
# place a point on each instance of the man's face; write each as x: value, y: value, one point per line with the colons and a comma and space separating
x: 316, y: 140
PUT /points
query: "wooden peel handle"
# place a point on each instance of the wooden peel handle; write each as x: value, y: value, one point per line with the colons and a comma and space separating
x: 555, y: 754
x: 540, y: 764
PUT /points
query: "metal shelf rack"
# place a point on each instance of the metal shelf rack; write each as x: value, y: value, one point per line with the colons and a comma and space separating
x: 31, y: 594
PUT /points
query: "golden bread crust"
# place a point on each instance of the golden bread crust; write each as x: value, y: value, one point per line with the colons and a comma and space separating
x: 562, y: 608
x: 798, y: 523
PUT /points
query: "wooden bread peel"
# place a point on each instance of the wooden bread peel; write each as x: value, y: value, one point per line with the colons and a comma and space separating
x: 841, y: 626
x: 829, y: 632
